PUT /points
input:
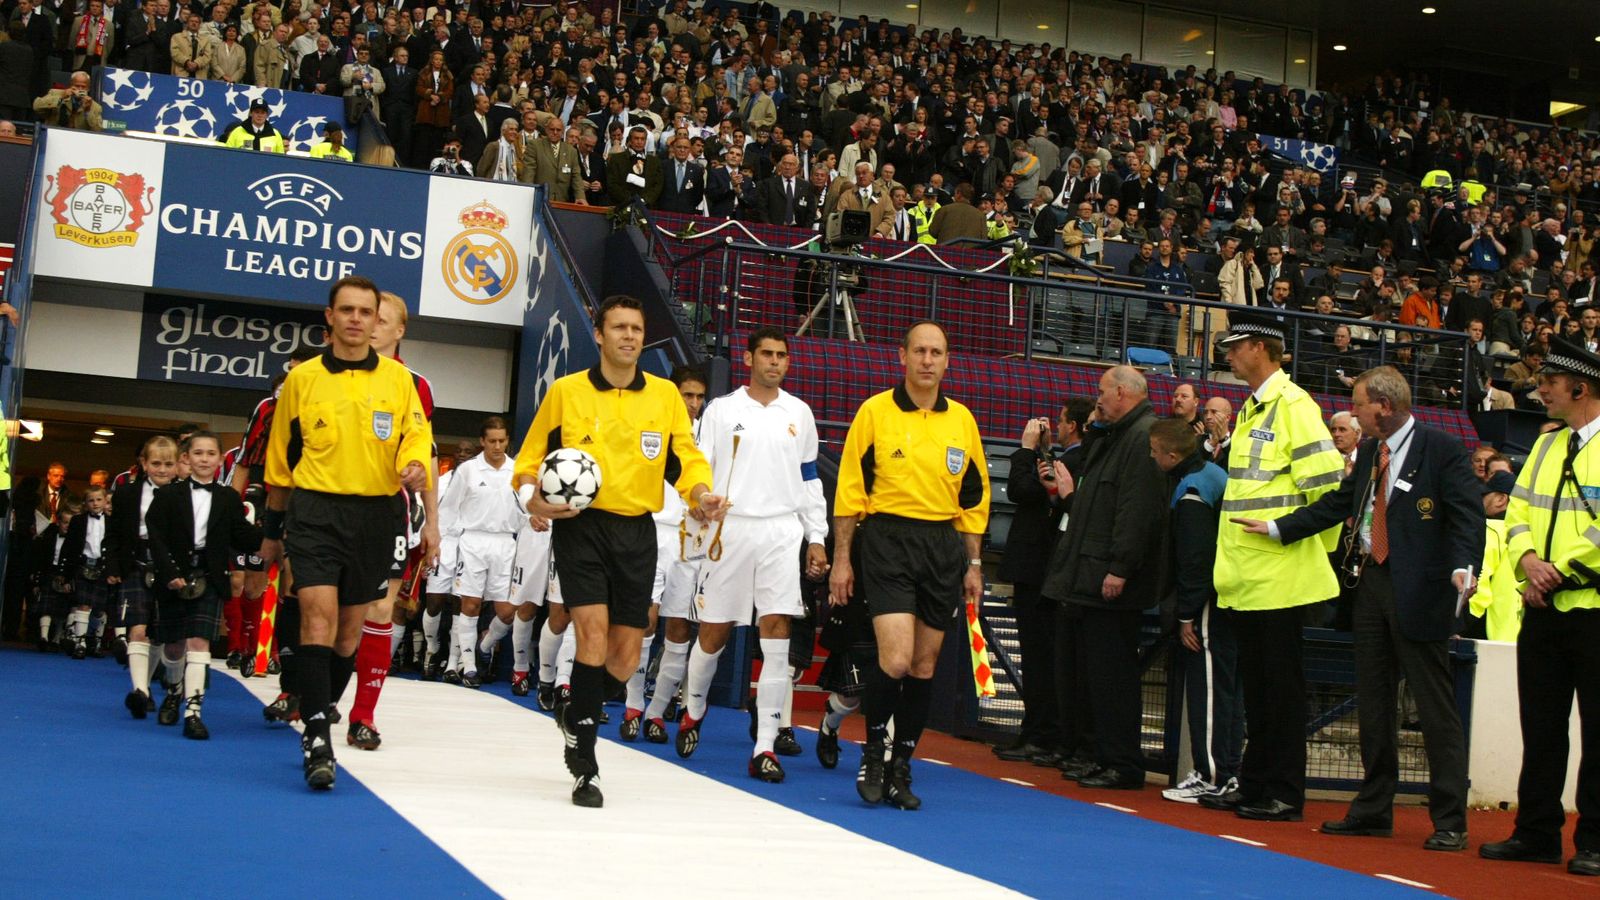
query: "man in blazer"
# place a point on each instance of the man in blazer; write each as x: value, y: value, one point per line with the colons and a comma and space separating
x: 787, y: 198
x: 554, y: 163
x: 634, y: 174
x: 684, y: 180
x: 1419, y: 534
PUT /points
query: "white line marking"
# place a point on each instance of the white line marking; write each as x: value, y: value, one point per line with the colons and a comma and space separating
x: 806, y: 727
x: 1230, y: 837
x: 1116, y: 807
x: 1405, y: 881
x: 937, y: 762
x: 1018, y: 781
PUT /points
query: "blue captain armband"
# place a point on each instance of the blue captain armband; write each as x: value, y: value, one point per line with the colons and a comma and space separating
x: 808, y: 471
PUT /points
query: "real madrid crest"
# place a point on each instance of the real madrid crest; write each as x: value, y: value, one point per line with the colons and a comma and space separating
x: 480, y: 264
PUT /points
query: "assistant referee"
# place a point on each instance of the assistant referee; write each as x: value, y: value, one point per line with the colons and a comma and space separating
x: 637, y: 428
x: 349, y: 431
x: 913, y: 465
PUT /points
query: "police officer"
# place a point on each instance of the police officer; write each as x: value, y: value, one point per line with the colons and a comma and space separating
x: 256, y: 133
x: 1553, y: 537
x: 922, y: 213
x: 1281, y: 459
x: 913, y: 466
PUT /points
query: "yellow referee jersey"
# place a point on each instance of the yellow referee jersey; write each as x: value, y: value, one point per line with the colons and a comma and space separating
x: 915, y: 463
x: 347, y: 427
x: 640, y: 435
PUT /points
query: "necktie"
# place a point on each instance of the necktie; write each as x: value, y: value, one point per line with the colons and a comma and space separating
x: 680, y: 176
x: 900, y: 225
x: 1380, y: 505
x: 194, y: 47
x: 788, y: 193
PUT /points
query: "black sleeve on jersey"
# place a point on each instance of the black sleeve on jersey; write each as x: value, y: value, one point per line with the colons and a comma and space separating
x: 971, y: 486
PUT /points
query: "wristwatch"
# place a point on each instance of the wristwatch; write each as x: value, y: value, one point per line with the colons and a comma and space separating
x: 975, y: 562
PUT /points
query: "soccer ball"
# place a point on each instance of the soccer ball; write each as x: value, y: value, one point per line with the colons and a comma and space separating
x: 126, y: 89
x: 1320, y: 157
x: 241, y: 96
x: 186, y: 118
x: 304, y: 133
x: 570, y: 476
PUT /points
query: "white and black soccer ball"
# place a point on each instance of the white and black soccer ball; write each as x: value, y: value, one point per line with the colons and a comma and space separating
x: 126, y: 89
x: 186, y: 118
x: 570, y: 476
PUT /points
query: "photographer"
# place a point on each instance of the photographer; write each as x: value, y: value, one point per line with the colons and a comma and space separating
x: 449, y: 162
x: 1344, y: 210
x: 1484, y: 251
x: 70, y: 107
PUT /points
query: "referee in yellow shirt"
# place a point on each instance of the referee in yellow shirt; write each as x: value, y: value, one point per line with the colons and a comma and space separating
x: 913, y: 466
x: 636, y: 427
x: 348, y: 432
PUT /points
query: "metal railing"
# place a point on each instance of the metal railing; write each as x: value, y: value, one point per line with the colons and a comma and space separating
x: 1050, y: 316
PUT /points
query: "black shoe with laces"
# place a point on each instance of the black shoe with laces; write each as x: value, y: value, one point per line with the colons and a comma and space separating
x: 273, y: 666
x: 471, y: 680
x: 193, y: 728
x: 897, y: 785
x: 688, y: 737
x: 655, y: 731
x: 79, y: 649
x: 451, y: 676
x: 827, y: 746
x: 247, y: 665
x: 362, y: 736
x: 869, y: 778
x: 319, y: 765
x: 629, y: 729
x: 119, y: 650
x: 765, y: 766
x: 169, y: 708
x: 94, y: 644
x: 138, y: 703
x: 235, y: 658
x: 586, y: 792
x: 333, y: 715
x: 786, y: 744
x: 430, y: 669
x: 547, y: 695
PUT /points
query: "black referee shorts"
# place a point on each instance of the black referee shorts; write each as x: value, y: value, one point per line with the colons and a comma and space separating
x: 602, y: 557
x: 343, y: 541
x: 911, y: 566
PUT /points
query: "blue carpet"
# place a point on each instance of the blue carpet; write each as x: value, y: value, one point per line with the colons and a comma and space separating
x: 98, y: 802
x: 1031, y: 841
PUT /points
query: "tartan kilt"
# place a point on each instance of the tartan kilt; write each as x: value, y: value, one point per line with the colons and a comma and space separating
x: 134, y: 605
x: 178, y: 619
x: 94, y: 594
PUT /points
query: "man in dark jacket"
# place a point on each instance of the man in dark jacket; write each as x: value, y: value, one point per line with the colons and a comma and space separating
x: 1048, y: 733
x: 1107, y: 569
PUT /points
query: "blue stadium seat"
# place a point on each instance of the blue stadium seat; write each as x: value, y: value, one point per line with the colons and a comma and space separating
x: 1151, y: 358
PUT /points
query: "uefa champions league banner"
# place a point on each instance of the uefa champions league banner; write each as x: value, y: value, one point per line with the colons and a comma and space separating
x: 194, y: 108
x: 210, y: 221
x: 1323, y: 158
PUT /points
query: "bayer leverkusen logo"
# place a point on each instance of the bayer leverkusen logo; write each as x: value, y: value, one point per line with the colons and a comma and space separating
x: 98, y: 207
x: 480, y: 264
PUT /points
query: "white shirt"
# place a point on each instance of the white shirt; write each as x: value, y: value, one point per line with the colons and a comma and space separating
x: 443, y: 487
x: 201, y: 503
x: 1399, y: 448
x: 673, y: 507
x: 93, y: 534
x: 774, y: 471
x: 146, y: 494
x: 1588, y: 431
x: 480, y: 498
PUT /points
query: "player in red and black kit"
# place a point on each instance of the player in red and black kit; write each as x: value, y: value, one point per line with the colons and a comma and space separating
x: 386, y: 618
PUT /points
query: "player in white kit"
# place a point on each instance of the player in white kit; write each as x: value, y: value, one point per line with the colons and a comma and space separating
x: 762, y: 445
x: 441, y: 583
x: 484, y: 516
x: 680, y: 546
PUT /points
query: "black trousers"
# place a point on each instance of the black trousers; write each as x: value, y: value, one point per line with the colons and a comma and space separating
x: 1211, y: 690
x: 1383, y: 656
x: 1106, y: 651
x: 1036, y: 632
x: 1074, y: 715
x: 1272, y: 673
x: 1558, y: 654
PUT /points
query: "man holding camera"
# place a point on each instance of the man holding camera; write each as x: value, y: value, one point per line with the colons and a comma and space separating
x: 449, y: 161
x: 70, y: 107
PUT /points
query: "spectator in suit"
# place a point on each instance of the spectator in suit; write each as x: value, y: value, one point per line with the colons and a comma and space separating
x: 757, y: 109
x: 727, y: 189
x: 502, y: 158
x: 228, y: 57
x: 1285, y: 235
x: 190, y: 50
x: 39, y: 34
x: 16, y: 74
x: 860, y: 194
x: 398, y: 104
x: 271, y: 60
x: 142, y: 38
x: 1047, y: 219
x: 786, y: 198
x: 435, y: 87
x: 319, y: 71
x: 592, y: 166
x: 684, y: 187
x: 92, y: 37
x: 476, y: 85
x: 633, y: 174
x: 363, y: 84
x: 554, y: 163
x: 472, y: 129
x: 1280, y: 266
x: 958, y: 219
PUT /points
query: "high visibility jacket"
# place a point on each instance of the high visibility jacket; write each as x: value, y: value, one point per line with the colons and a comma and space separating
x: 323, y: 149
x: 921, y: 218
x: 1281, y: 459
x: 1499, y: 596
x: 1550, y: 516
x: 1437, y: 178
x: 996, y: 228
x: 269, y: 141
x: 1475, y: 190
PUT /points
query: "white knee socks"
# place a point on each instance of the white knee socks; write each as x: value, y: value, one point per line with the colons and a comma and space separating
x: 521, y: 643
x: 702, y: 668
x: 674, y: 660
x: 636, y: 682
x: 771, y: 690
